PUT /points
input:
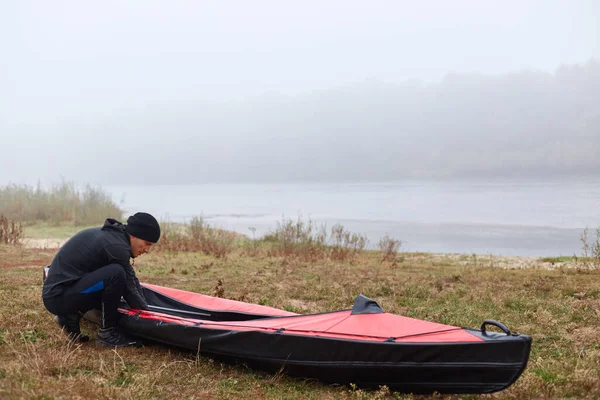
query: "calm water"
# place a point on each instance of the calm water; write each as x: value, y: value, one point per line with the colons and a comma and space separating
x: 508, y: 218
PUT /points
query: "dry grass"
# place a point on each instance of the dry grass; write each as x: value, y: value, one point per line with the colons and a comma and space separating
x: 304, y: 240
x: 344, y: 245
x: 590, y: 247
x: 197, y: 236
x: 297, y: 239
x: 64, y: 202
x: 558, y: 307
x: 10, y: 231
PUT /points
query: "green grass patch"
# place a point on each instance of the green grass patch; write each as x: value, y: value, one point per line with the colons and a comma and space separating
x: 46, y: 230
x: 33, y: 336
x: 556, y: 260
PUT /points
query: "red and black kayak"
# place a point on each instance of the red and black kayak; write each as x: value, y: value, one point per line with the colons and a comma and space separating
x: 363, y: 345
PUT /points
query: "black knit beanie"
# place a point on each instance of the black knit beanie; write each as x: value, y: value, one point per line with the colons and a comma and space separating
x: 143, y: 226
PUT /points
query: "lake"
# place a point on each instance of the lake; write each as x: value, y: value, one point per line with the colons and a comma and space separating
x: 525, y: 218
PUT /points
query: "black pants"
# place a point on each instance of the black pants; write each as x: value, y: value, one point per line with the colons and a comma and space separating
x: 101, y: 289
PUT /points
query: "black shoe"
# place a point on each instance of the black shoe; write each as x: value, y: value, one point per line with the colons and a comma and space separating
x: 70, y: 326
x: 113, y: 337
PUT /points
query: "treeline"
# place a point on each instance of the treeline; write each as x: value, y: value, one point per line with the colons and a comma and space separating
x: 527, y: 123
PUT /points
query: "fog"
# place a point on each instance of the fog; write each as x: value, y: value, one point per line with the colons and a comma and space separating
x: 143, y: 92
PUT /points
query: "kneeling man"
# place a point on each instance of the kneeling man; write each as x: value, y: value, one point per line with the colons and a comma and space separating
x: 92, y: 270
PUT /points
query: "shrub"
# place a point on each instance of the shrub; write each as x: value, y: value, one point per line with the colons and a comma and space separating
x: 197, y: 236
x: 345, y: 245
x: 590, y: 249
x: 216, y: 242
x: 251, y: 245
x: 298, y: 239
x: 309, y: 242
x: 389, y: 248
x: 173, y: 238
x: 10, y: 232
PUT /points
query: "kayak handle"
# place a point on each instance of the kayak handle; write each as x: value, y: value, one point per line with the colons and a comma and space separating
x: 496, y: 324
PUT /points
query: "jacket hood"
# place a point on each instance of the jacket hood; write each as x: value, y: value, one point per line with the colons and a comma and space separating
x: 113, y: 224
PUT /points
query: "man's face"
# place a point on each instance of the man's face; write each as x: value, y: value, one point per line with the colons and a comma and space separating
x: 139, y: 246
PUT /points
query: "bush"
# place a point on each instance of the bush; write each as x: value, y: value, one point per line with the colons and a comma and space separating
x: 590, y: 249
x: 197, y: 236
x: 389, y: 247
x: 10, y: 232
x: 345, y: 245
x: 309, y: 242
x: 298, y: 239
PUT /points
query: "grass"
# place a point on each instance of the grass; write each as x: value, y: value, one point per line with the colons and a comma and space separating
x: 28, y: 214
x: 559, y: 308
x: 197, y: 236
x: 591, y: 248
x: 64, y: 202
x: 555, y: 260
x: 305, y: 240
x: 44, y: 230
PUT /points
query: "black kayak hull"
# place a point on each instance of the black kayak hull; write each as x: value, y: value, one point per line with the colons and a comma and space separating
x: 490, y: 364
x: 483, y: 367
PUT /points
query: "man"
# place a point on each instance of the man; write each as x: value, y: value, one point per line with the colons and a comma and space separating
x: 92, y: 271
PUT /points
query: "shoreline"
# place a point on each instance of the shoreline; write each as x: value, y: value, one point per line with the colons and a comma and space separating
x: 467, y: 260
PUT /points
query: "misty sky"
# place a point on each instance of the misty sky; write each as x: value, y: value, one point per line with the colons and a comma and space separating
x: 70, y: 69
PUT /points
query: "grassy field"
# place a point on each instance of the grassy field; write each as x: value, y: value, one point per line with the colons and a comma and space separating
x: 557, y: 305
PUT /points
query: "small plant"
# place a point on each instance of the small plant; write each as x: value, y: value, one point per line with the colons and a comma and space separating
x: 596, y: 249
x: 211, y: 241
x: 251, y: 244
x: 219, y: 289
x: 389, y: 248
x: 10, y: 232
x: 345, y: 245
x: 306, y: 241
x: 33, y: 336
x: 590, y: 249
x: 298, y: 239
x: 197, y: 236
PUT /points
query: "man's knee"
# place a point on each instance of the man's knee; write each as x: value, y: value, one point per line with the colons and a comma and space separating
x: 115, y: 273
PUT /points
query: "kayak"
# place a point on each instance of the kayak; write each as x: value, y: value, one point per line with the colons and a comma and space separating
x: 363, y: 345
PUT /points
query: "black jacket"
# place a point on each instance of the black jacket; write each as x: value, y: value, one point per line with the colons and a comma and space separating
x: 90, y: 250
